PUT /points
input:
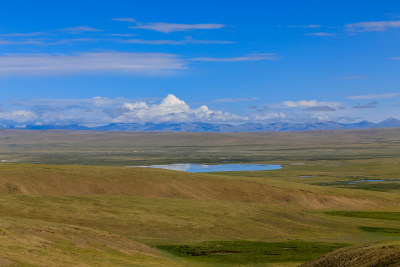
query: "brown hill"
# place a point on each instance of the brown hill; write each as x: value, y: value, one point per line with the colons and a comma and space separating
x: 366, y: 255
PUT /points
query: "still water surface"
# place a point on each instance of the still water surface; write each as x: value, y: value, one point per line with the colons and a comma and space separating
x: 216, y: 168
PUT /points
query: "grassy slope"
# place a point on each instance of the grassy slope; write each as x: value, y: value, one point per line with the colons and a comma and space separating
x: 165, y: 207
x: 144, y: 182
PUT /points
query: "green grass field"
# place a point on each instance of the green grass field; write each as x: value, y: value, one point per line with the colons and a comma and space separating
x: 67, y: 199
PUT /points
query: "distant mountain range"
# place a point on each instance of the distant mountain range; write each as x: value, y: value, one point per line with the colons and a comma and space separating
x: 219, y: 127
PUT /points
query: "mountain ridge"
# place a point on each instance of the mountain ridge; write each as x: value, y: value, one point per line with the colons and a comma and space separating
x: 218, y: 127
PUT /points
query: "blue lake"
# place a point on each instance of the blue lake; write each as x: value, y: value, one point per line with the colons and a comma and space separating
x: 216, y: 168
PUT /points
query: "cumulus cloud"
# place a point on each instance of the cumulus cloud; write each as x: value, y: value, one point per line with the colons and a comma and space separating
x: 373, y: 96
x: 175, y: 27
x: 251, y: 57
x: 98, y: 62
x: 171, y: 109
x: 372, y: 26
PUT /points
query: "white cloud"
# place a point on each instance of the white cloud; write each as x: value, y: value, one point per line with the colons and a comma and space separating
x: 124, y: 19
x: 29, y: 34
x: 251, y: 57
x: 302, y: 103
x: 268, y: 116
x: 311, y: 26
x: 373, y: 96
x: 372, y: 26
x: 321, y: 34
x: 119, y: 34
x: 19, y: 116
x: 99, y: 62
x: 8, y: 42
x: 312, y: 105
x: 175, y: 27
x: 394, y: 58
x: 81, y: 29
x: 171, y: 109
x: 187, y: 40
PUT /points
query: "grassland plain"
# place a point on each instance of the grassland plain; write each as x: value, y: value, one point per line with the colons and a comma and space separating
x: 74, y: 215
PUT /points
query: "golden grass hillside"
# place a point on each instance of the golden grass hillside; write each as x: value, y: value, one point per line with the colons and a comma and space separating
x: 104, y: 216
x: 156, y: 183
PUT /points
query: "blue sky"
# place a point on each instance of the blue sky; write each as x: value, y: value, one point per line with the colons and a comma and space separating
x: 94, y: 63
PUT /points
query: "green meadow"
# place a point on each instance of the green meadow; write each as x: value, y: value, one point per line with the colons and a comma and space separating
x: 67, y: 198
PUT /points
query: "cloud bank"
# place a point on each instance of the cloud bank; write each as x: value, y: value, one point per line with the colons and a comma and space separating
x: 100, y: 111
x: 95, y: 62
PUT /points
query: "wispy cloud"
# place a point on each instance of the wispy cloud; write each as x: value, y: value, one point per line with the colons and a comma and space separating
x: 29, y: 42
x: 251, y: 57
x: 187, y: 40
x: 321, y: 34
x: 313, y: 26
x: 373, y: 96
x: 232, y: 100
x: 372, y: 26
x: 100, y: 62
x: 29, y: 34
x: 368, y: 105
x: 175, y: 27
x: 70, y: 41
x: 81, y: 29
x: 353, y: 77
x: 394, y: 58
x: 321, y: 108
x: 124, y: 19
x: 119, y: 34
